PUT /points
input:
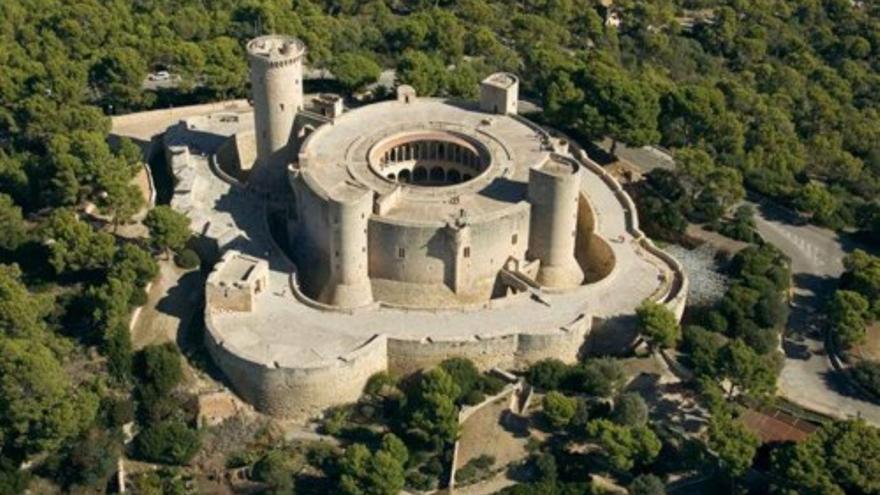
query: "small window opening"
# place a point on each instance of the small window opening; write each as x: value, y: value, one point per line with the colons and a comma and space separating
x: 467, y: 252
x: 401, y: 253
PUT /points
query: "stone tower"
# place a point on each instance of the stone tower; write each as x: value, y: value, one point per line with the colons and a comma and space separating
x: 499, y: 93
x: 349, y: 210
x: 553, y: 193
x: 276, y: 84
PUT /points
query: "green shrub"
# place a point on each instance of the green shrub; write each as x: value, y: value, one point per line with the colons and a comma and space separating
x: 242, y: 458
x: 492, y: 384
x: 558, y: 409
x: 335, y: 421
x: 484, y: 461
x: 630, y: 409
x: 168, y: 442
x: 187, y: 259
x: 160, y: 370
x: 466, y: 474
x: 138, y: 297
x: 867, y: 373
x: 473, y: 397
x: 647, y: 484
x: 420, y: 481
x: 379, y: 382
x: 276, y: 470
x: 117, y: 411
x: 547, y: 374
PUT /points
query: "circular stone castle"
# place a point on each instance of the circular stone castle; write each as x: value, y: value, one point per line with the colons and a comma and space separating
x: 413, y: 230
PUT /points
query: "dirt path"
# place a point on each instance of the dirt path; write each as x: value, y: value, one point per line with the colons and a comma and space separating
x: 172, y: 301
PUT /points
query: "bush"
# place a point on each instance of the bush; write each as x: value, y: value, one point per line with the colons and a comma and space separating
x: 484, y: 461
x: 138, y: 297
x: 160, y: 370
x: 335, y: 421
x: 473, y: 397
x: 630, y: 409
x: 379, y: 382
x: 187, y: 259
x: 658, y: 324
x: 275, y: 469
x: 117, y: 411
x: 492, y: 384
x: 867, y: 373
x: 547, y: 374
x: 92, y: 458
x: 647, y: 484
x: 473, y: 385
x: 420, y: 481
x: 466, y: 474
x: 559, y: 409
x: 168, y: 442
x: 474, y: 469
x: 602, y: 377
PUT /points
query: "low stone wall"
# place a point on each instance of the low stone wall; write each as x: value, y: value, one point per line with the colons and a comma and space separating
x: 467, y: 412
x: 674, y: 295
x: 298, y: 393
x: 408, y: 356
x: 509, y: 351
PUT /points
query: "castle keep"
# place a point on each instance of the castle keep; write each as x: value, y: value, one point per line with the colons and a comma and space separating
x: 412, y: 230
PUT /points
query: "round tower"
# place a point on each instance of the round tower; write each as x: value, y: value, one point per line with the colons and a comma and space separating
x: 349, y: 210
x: 554, y: 187
x: 276, y: 85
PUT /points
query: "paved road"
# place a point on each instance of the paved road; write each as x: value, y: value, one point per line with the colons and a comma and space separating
x: 808, y: 379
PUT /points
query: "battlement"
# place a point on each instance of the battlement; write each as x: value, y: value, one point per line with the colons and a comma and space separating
x: 499, y: 93
x: 276, y: 50
x: 235, y: 281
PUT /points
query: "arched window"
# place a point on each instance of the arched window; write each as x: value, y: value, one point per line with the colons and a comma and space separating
x: 404, y: 176
x: 438, y: 174
x: 453, y: 176
x: 420, y: 174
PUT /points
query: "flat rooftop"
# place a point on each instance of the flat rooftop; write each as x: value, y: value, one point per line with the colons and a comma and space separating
x: 501, y: 80
x: 336, y: 153
x: 237, y: 268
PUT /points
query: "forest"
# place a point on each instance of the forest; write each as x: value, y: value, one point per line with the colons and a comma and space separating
x: 775, y: 98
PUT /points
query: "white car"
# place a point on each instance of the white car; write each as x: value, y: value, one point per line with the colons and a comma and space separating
x: 162, y: 75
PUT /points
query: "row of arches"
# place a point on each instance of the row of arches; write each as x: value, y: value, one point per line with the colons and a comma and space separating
x: 432, y: 151
x: 436, y: 175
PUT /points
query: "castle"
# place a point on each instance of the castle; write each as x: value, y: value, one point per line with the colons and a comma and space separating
x: 414, y: 230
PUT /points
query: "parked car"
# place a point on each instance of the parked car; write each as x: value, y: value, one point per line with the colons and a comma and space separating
x: 162, y: 75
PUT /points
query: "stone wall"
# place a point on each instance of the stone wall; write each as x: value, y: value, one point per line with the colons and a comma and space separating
x: 236, y: 156
x: 408, y: 356
x: 509, y: 351
x: 431, y: 254
x: 298, y: 393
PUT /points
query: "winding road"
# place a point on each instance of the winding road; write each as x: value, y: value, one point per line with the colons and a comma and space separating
x: 808, y: 378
